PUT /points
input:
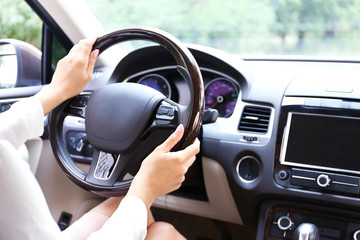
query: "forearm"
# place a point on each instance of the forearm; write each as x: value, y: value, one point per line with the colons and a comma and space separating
x: 128, y: 221
x: 139, y: 190
x: 50, y: 98
x: 22, y: 121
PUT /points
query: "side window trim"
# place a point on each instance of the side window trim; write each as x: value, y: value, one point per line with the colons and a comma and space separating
x: 46, y: 72
x: 50, y: 30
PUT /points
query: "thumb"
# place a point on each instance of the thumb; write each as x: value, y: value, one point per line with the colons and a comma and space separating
x: 173, y: 139
x: 91, y: 63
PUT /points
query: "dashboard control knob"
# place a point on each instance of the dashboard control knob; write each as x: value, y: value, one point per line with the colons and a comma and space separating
x: 283, y: 175
x: 323, y: 180
x: 356, y: 235
x: 306, y: 231
x: 284, y: 223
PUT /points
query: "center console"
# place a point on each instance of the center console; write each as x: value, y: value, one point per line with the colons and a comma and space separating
x: 318, y: 147
x: 317, y: 152
x: 281, y: 220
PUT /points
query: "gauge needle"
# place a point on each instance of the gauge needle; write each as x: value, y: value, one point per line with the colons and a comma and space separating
x: 214, y: 105
x: 219, y: 99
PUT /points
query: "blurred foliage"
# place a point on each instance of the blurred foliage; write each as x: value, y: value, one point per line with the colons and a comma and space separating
x: 315, y: 27
x: 329, y: 27
x: 326, y: 20
x: 18, y: 21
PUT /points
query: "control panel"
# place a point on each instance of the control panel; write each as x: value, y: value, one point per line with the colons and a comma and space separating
x: 78, y: 146
x: 285, y: 223
x: 320, y: 180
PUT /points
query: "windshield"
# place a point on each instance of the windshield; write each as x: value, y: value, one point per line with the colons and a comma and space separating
x: 246, y: 27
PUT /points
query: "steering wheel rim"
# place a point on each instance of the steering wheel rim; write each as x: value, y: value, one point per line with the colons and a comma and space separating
x: 190, y: 116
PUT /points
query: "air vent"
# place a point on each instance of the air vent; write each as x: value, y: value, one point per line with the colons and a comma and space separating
x: 255, y: 119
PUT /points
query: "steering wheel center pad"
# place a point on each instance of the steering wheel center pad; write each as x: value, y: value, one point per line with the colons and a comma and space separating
x: 118, y: 114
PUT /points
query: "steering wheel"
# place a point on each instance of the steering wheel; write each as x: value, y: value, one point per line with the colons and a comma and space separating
x: 126, y: 121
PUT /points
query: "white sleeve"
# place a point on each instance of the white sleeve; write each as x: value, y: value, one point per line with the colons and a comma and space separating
x: 24, y: 213
x: 128, y: 222
x: 24, y: 120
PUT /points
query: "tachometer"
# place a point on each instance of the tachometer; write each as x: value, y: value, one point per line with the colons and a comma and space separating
x: 221, y: 94
x: 158, y: 83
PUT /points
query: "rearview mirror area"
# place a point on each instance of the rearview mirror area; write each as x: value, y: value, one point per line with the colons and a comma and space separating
x: 20, y: 64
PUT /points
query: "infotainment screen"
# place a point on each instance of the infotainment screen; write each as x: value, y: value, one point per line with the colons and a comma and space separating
x: 322, y: 141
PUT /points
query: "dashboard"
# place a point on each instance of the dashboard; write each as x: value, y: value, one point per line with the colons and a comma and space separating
x: 286, y: 138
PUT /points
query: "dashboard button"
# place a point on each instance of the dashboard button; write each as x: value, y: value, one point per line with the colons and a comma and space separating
x: 283, y: 175
x: 323, y: 180
x: 284, y: 223
x: 356, y: 235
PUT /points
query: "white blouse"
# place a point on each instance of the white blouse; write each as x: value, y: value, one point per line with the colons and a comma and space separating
x: 24, y: 213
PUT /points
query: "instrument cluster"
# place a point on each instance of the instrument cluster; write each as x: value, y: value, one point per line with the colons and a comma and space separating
x: 221, y: 91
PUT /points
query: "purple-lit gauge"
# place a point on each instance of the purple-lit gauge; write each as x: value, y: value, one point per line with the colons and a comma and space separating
x: 221, y: 94
x: 157, y: 82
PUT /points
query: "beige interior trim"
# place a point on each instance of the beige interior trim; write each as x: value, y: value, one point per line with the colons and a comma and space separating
x: 77, y: 21
x: 74, y: 17
x: 34, y: 147
x: 221, y: 204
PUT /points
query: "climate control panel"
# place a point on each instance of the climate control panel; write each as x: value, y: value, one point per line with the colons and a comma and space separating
x: 319, y: 180
x: 285, y: 222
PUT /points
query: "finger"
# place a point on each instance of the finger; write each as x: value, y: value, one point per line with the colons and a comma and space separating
x: 88, y: 41
x: 190, y: 162
x: 190, y: 150
x: 173, y: 139
x: 91, y: 64
x: 84, y: 46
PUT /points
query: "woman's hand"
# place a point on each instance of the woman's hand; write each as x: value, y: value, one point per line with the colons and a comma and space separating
x: 163, y: 171
x: 71, y: 76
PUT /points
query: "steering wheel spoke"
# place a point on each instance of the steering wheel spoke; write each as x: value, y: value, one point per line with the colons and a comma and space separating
x: 105, y: 169
x: 165, y: 116
x: 77, y: 105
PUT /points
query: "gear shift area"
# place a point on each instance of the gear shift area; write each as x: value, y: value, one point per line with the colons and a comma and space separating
x: 291, y: 221
x: 306, y: 231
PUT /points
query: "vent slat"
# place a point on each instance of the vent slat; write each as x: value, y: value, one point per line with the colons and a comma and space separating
x: 255, y: 125
x: 255, y: 119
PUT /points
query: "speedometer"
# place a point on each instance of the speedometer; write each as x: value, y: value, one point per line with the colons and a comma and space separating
x: 221, y: 94
x: 158, y: 83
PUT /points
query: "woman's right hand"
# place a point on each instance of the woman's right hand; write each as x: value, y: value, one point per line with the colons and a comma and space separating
x: 71, y: 76
x: 163, y: 171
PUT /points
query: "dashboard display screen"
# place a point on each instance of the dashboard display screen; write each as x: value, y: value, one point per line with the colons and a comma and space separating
x: 322, y: 142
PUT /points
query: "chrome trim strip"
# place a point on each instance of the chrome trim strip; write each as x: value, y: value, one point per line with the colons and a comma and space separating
x: 238, y: 169
x: 285, y: 139
x: 304, y: 178
x: 346, y: 184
